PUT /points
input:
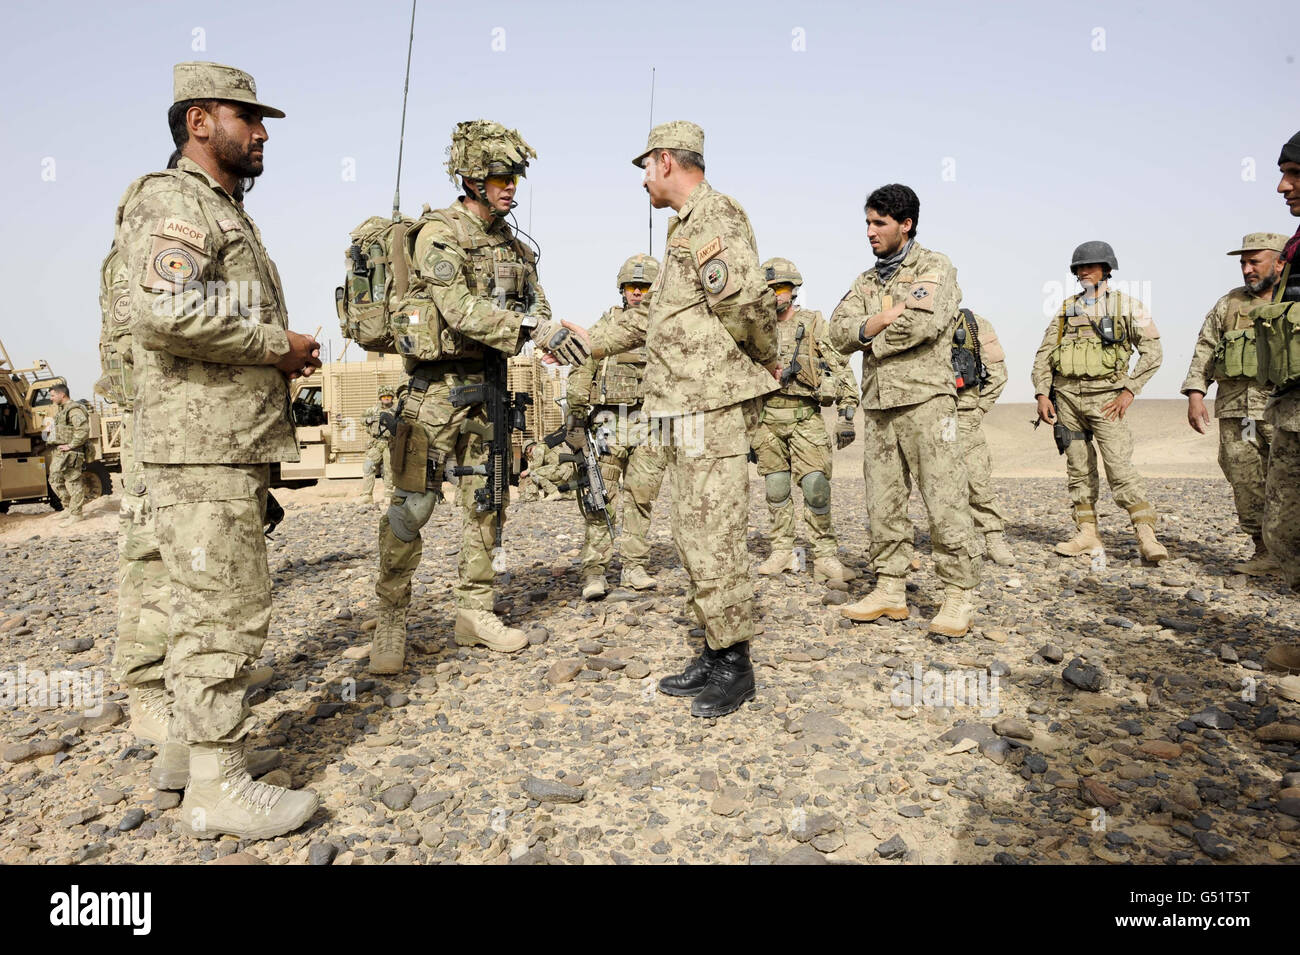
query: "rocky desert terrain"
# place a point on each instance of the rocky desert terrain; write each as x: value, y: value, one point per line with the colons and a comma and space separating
x: 1102, y: 711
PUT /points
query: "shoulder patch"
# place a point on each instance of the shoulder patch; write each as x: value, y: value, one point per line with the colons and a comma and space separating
x: 122, y: 309
x: 714, y: 276
x: 443, y: 270
x: 708, y: 250
x: 228, y: 225
x: 183, y: 231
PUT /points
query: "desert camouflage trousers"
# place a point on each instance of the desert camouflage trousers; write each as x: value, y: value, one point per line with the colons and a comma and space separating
x: 794, y: 440
x: 923, y: 441
x: 1243, y: 457
x: 633, y: 472
x: 450, y: 432
x: 1082, y: 412
x: 1281, y: 524
x: 377, y: 457
x: 209, y: 520
x: 67, y: 481
x: 707, y: 456
x: 143, y: 601
x: 985, y: 512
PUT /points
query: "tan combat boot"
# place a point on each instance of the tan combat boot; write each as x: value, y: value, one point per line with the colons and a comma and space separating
x: 888, y: 599
x: 995, y: 545
x: 780, y: 561
x: 259, y: 677
x: 955, y: 616
x: 1260, y: 564
x: 388, y: 648
x: 170, y: 769
x: 594, y: 587
x: 222, y: 798
x: 1084, y: 542
x: 151, y: 712
x: 636, y: 577
x: 1150, y: 548
x: 475, y: 627
x: 829, y: 571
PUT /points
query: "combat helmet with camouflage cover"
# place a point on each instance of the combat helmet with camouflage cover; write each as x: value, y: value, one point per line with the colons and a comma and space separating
x: 640, y: 268
x: 780, y: 272
x: 1094, y: 253
x: 481, y: 148
x: 386, y: 391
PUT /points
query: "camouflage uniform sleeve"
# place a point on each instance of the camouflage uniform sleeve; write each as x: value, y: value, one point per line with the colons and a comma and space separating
x: 846, y: 387
x: 846, y: 322
x: 993, y: 387
x: 1146, y: 338
x: 440, y: 262
x: 186, y: 314
x: 744, y: 304
x: 578, y: 389
x: 931, y: 305
x: 621, y: 333
x: 79, y: 422
x: 1201, y: 369
x: 1042, y: 373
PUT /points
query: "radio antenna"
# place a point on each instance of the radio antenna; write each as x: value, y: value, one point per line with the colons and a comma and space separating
x: 650, y: 212
x: 401, y: 140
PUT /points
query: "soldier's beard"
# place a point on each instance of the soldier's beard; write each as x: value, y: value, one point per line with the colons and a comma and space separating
x: 1263, y: 285
x: 235, y: 158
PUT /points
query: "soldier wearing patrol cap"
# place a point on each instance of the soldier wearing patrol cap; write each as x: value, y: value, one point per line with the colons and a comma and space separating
x: 210, y: 331
x: 474, y: 297
x: 791, y: 443
x: 709, y: 329
x: 378, y: 456
x: 1082, y: 374
x: 606, y: 395
x: 1225, y: 354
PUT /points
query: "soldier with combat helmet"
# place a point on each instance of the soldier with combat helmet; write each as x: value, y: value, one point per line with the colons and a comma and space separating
x: 71, y: 433
x: 210, y: 330
x: 1082, y: 376
x: 791, y: 444
x: 474, y: 297
x: 899, y: 314
x: 1225, y: 354
x: 378, y: 457
x: 606, y: 396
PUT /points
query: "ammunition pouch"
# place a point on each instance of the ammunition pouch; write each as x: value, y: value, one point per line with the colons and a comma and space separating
x: 1236, y: 355
x: 410, y: 454
x: 1277, y: 343
x: 1086, y: 357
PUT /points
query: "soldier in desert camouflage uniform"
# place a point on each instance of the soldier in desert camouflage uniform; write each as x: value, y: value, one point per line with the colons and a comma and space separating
x: 378, y: 455
x: 475, y: 297
x: 899, y: 314
x: 979, y: 382
x: 1282, y: 485
x: 71, y: 432
x: 1084, y: 361
x: 211, y: 331
x: 1225, y: 354
x: 791, y: 444
x: 609, y: 392
x: 709, y: 330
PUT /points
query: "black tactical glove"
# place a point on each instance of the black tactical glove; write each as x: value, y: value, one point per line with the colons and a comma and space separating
x: 844, y: 430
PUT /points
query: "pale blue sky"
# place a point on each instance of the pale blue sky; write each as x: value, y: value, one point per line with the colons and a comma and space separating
x: 1020, y: 135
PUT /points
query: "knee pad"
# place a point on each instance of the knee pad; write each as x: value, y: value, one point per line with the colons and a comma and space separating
x: 367, y: 467
x: 407, y: 515
x: 777, y: 486
x: 816, y: 492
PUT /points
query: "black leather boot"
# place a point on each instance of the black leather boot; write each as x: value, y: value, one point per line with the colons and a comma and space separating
x: 731, y: 683
x: 693, y: 679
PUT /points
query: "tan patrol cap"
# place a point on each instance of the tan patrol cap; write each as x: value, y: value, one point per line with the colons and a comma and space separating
x: 200, y: 80
x: 678, y: 134
x: 1262, y: 242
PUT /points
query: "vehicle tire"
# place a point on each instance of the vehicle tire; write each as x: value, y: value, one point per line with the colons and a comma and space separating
x: 100, y: 471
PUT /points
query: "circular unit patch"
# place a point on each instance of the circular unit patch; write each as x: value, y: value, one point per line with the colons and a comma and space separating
x: 714, y: 276
x: 122, y: 309
x: 175, y: 265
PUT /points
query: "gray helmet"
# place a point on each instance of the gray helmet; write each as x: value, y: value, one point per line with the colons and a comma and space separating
x: 1094, y: 253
